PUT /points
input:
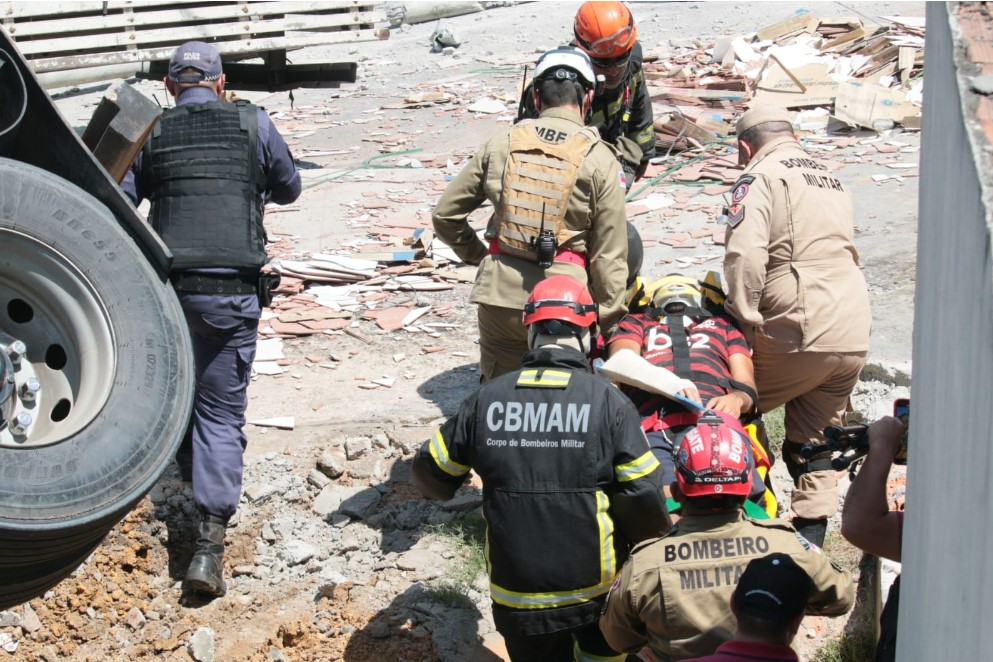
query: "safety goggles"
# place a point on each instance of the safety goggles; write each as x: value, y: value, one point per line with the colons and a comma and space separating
x: 611, y: 63
x: 609, y: 44
x: 578, y: 308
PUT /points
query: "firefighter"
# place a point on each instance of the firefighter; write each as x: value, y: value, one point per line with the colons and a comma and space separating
x: 622, y: 109
x: 799, y: 296
x: 568, y: 481
x: 558, y: 209
x: 208, y: 169
x: 673, y: 595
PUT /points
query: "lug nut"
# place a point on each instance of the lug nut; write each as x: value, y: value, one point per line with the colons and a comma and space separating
x: 19, y: 426
x: 29, y: 389
x: 16, y: 351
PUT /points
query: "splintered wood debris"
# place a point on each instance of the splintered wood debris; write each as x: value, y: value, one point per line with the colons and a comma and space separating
x: 862, y: 75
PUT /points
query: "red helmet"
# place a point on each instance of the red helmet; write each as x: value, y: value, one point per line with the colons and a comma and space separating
x: 714, y: 458
x: 605, y: 30
x: 560, y: 298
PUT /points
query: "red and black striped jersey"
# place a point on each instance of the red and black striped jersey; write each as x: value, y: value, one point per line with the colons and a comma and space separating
x: 712, y: 341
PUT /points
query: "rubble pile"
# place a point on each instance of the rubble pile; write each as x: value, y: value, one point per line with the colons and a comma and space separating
x: 860, y: 75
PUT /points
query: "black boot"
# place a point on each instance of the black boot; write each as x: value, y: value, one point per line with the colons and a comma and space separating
x: 206, y: 572
x: 813, y: 530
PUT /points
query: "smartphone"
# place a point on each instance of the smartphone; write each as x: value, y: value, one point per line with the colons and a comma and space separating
x: 901, y: 410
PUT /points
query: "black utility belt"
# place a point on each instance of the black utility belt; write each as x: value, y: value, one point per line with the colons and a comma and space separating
x: 215, y: 284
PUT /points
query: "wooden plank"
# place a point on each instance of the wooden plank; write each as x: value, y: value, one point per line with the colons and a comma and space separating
x: 59, y: 24
x: 696, y: 93
x: 206, y: 32
x: 829, y: 46
x: 905, y: 62
x: 138, y: 56
x: 678, y: 125
x: 33, y: 10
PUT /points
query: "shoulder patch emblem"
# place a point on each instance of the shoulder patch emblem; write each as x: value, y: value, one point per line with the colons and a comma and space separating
x: 740, y: 188
x: 736, y: 214
x: 739, y: 193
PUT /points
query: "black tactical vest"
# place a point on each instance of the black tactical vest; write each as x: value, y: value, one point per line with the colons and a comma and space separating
x: 205, y: 185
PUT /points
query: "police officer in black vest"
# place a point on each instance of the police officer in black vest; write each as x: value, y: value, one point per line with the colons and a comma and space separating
x: 207, y: 170
x: 569, y: 483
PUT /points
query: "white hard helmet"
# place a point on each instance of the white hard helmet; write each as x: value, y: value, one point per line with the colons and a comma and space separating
x: 566, y: 63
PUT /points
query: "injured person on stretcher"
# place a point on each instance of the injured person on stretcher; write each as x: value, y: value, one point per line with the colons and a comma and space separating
x: 680, y: 357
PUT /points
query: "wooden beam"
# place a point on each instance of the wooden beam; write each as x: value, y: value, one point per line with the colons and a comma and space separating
x: 119, y: 127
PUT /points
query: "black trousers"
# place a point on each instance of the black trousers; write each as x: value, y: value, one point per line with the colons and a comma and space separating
x: 561, y: 646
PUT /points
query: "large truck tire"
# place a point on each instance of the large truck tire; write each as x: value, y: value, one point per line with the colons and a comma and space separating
x: 101, y: 338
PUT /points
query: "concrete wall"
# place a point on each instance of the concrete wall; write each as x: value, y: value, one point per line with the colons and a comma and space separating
x: 947, y: 592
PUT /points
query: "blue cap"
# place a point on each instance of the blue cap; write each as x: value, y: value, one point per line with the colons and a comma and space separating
x: 195, y: 55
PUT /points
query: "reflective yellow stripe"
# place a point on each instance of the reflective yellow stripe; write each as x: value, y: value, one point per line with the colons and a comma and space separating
x: 440, y: 454
x: 639, y: 468
x: 517, y: 600
x: 579, y: 655
x: 645, y: 134
x: 608, y: 562
x: 544, y: 378
x: 608, y: 568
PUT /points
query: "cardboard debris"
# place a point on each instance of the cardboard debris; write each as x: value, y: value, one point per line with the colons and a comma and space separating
x: 792, y: 25
x: 808, y: 85
x: 862, y: 104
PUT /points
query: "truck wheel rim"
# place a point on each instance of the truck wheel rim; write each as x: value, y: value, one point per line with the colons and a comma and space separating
x: 51, y: 307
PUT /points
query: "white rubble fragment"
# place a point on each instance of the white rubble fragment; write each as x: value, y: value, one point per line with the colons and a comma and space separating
x: 280, y: 422
x: 489, y: 106
x: 201, y: 646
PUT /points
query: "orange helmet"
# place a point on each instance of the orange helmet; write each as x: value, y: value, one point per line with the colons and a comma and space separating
x: 605, y: 30
x: 714, y: 458
x: 563, y: 299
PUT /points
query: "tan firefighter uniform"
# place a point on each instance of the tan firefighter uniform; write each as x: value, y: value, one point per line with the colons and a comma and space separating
x: 674, y: 593
x: 589, y: 227
x: 795, y: 286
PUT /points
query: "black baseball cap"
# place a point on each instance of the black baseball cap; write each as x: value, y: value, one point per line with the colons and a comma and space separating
x: 773, y: 588
x: 195, y: 55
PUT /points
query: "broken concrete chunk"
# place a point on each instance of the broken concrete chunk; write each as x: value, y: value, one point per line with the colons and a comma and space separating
x: 356, y: 447
x: 332, y: 464
x: 258, y: 493
x: 297, y: 552
x: 201, y: 646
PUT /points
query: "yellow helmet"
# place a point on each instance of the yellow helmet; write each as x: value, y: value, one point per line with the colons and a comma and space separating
x: 675, y: 293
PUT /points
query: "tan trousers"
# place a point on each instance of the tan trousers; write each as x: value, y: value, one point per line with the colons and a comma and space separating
x: 503, y: 340
x: 815, y: 387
